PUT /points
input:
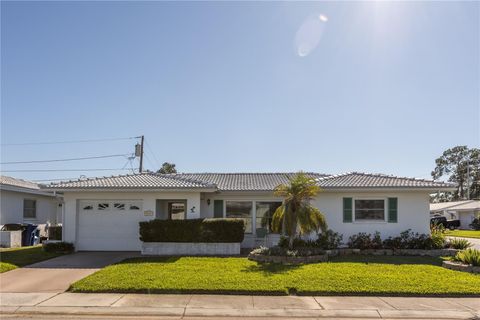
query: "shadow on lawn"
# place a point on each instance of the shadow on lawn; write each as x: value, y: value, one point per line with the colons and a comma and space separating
x: 270, y: 268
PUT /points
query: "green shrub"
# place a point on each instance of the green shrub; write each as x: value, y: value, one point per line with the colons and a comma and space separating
x: 364, y: 241
x: 460, y: 244
x: 297, y: 243
x: 468, y: 256
x: 58, y: 247
x: 192, y: 230
x: 329, y: 240
x: 475, y: 224
x: 436, y: 240
x: 55, y: 232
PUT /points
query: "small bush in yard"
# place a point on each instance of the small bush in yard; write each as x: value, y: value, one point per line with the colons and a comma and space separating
x: 475, y: 224
x: 193, y: 230
x: 329, y: 240
x: 297, y: 243
x: 468, y: 256
x: 459, y: 244
x: 364, y: 241
x: 58, y: 247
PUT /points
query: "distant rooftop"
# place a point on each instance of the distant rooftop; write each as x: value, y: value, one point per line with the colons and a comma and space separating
x: 14, y: 182
x: 462, y: 205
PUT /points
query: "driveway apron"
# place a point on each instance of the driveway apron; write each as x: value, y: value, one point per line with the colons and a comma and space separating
x: 56, y: 275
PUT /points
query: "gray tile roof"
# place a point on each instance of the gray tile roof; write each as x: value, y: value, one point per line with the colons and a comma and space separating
x: 245, y: 181
x: 369, y: 180
x: 9, y: 181
x: 146, y: 180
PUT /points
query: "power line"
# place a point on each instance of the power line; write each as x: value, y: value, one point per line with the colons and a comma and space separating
x: 68, y: 141
x: 153, y: 154
x: 70, y: 159
x: 63, y: 170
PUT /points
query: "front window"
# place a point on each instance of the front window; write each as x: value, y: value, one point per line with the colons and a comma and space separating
x: 369, y: 209
x: 29, y: 209
x: 265, y: 211
x: 241, y: 210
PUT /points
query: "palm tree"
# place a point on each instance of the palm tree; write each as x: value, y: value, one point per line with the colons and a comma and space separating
x: 296, y: 216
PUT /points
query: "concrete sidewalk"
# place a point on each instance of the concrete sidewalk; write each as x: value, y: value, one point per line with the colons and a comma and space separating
x: 184, y: 306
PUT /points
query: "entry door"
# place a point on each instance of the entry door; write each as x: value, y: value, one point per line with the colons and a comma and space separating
x: 109, y: 225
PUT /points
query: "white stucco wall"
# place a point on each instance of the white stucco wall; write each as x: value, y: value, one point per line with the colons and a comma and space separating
x: 71, y: 210
x: 413, y: 213
x: 11, y: 208
x: 413, y: 210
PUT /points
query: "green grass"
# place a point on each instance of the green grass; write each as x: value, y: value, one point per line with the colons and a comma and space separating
x: 18, y: 257
x: 357, y: 275
x: 463, y: 233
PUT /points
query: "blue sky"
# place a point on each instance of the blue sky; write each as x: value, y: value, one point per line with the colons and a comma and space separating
x: 220, y: 87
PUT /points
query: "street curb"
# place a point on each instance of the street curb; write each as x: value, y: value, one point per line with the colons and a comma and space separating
x: 239, y: 313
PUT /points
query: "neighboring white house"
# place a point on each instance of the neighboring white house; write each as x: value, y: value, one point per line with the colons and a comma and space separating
x: 24, y: 202
x: 103, y: 213
x: 465, y: 211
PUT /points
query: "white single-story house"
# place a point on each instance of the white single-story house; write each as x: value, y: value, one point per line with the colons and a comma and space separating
x: 103, y: 213
x: 26, y: 202
x: 464, y: 210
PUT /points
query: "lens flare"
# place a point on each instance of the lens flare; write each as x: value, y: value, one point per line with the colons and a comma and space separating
x: 309, y: 34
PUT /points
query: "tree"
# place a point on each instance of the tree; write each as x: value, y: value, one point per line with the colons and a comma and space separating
x: 462, y: 165
x: 296, y: 216
x: 167, y: 167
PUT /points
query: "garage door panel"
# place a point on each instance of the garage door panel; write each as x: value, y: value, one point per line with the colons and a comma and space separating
x: 109, y: 225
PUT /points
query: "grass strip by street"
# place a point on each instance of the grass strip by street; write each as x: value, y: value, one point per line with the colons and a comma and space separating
x: 463, y: 233
x: 352, y: 275
x: 13, y: 258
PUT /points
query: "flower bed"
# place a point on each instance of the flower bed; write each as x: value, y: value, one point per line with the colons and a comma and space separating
x: 396, y: 252
x: 315, y: 255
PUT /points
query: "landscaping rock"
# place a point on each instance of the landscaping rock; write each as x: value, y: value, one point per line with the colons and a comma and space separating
x: 458, y: 266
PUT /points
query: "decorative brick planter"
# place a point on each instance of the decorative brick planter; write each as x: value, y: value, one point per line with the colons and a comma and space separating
x: 288, y: 259
x: 190, y: 249
x: 458, y: 266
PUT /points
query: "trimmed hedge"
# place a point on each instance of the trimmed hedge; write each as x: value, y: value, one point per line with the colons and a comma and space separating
x: 58, y: 247
x: 192, y: 230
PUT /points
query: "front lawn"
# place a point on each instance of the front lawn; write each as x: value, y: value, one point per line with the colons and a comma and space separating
x: 18, y: 257
x: 343, y: 275
x: 463, y: 233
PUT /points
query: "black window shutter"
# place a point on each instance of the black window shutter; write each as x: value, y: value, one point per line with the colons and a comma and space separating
x: 392, y: 210
x: 218, y: 208
x: 347, y: 210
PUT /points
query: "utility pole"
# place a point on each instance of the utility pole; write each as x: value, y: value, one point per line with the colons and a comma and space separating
x: 141, y: 153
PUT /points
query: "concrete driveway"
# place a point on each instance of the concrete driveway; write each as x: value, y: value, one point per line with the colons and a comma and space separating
x: 56, y: 275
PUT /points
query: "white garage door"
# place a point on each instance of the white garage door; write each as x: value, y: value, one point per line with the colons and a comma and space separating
x: 109, y: 225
